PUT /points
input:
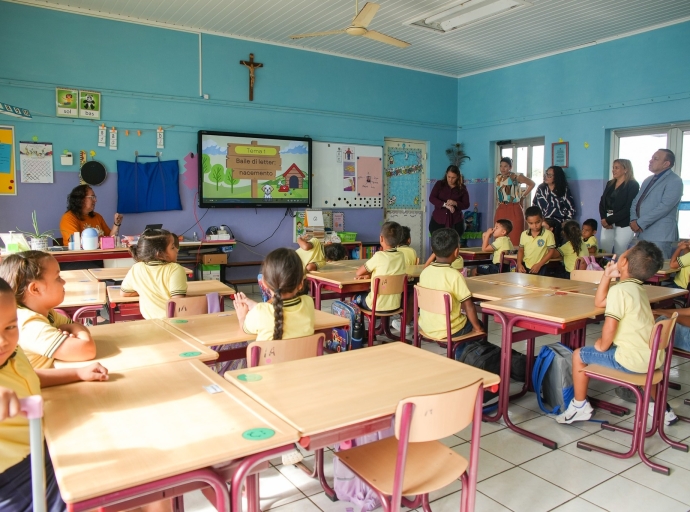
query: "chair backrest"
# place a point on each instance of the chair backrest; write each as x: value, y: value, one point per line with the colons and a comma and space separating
x: 391, y: 285
x: 667, y: 326
x: 587, y: 276
x: 189, y: 306
x: 430, y: 300
x: 260, y: 353
x: 438, y: 416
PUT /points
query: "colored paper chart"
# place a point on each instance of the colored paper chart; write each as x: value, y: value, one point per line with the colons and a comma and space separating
x: 369, y: 178
x: 8, y: 174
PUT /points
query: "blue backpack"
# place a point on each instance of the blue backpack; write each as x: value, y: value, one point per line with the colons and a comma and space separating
x: 552, y: 378
x: 346, y: 339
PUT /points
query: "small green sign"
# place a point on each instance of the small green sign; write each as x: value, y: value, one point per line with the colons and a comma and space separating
x: 190, y: 354
x: 249, y: 377
x: 178, y: 321
x: 258, y: 434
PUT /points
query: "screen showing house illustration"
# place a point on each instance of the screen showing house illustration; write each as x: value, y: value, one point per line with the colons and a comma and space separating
x: 238, y: 169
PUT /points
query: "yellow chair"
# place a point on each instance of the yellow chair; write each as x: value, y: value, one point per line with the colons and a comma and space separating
x: 414, y: 462
x: 260, y: 353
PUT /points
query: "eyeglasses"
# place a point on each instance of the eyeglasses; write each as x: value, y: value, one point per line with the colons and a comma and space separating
x: 90, y: 197
x: 548, y: 175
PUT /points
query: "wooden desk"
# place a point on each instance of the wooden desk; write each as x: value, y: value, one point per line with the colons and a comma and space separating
x: 475, y: 254
x: 123, y: 252
x: 310, y: 395
x: 127, y: 308
x: 654, y: 293
x: 119, y: 273
x: 87, y: 296
x: 150, y: 425
x: 485, y: 290
x: 529, y: 281
x: 76, y: 276
x: 128, y: 345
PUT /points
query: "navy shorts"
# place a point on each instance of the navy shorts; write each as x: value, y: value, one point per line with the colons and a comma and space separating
x: 590, y: 355
x: 15, y: 488
x: 489, y: 268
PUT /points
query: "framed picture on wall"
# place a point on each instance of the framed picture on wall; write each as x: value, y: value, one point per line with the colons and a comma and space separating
x: 559, y: 154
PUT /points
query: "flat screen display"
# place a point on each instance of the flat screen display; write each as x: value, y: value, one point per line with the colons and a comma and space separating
x: 245, y: 170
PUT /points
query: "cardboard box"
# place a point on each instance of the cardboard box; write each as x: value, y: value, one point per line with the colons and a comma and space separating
x: 214, y: 259
x: 210, y: 272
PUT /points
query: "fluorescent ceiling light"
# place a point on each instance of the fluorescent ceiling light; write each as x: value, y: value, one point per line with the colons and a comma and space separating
x: 467, y: 12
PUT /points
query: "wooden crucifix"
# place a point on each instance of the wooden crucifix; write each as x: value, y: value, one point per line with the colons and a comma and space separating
x: 251, y: 65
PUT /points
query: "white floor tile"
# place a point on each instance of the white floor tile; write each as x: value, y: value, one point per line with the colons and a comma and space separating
x: 680, y: 374
x: 621, y: 494
x: 451, y: 503
x: 577, y: 505
x: 603, y: 461
x: 489, y: 464
x: 652, y: 445
x: 512, y: 447
x: 452, y: 441
x: 521, y: 491
x: 276, y: 490
x: 303, y: 505
x: 325, y: 504
x: 674, y: 485
x: 567, y: 471
x: 304, y: 482
x: 529, y: 401
x: 519, y: 414
x: 547, y: 427
x: 197, y: 502
x: 487, y: 428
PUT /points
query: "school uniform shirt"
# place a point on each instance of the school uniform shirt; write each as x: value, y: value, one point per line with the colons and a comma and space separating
x: 20, y: 377
x: 500, y: 245
x: 628, y: 303
x: 591, y: 242
x: 155, y: 282
x: 458, y: 263
x: 40, y: 336
x: 683, y: 276
x: 441, y: 276
x: 314, y: 255
x: 535, y: 247
x: 385, y: 263
x: 570, y: 256
x: 409, y: 253
x: 298, y: 319
x: 70, y: 223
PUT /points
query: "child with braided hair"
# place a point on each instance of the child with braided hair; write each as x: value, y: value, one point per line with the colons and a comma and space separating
x: 288, y: 314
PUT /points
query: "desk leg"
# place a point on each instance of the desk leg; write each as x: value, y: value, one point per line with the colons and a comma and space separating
x: 111, y: 310
x: 317, y: 298
x: 241, y: 474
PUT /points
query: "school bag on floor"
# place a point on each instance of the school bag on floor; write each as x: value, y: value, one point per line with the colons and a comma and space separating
x: 348, y: 486
x: 552, y: 377
x: 346, y: 339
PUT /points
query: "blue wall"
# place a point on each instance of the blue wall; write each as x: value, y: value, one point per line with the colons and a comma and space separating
x: 578, y: 96
x: 149, y: 78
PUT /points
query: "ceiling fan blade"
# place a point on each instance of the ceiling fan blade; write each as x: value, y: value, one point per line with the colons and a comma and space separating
x: 365, y: 16
x: 317, y: 34
x: 383, y: 38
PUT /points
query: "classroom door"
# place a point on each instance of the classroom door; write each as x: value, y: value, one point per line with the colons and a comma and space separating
x: 404, y: 188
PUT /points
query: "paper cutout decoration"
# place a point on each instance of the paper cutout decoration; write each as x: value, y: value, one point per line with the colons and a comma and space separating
x: 7, y: 109
x: 190, y: 178
x: 113, y: 139
x: 101, y: 136
x: 160, y: 138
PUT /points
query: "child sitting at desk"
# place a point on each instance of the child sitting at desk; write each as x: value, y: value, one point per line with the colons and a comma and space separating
x: 624, y: 342
x: 38, y: 288
x: 589, y: 231
x: 315, y: 255
x: 19, y: 380
x: 387, y: 262
x: 680, y: 260
x: 573, y: 248
x: 500, y: 244
x: 537, y: 244
x: 440, y: 276
x: 404, y: 247
x: 288, y: 315
x: 155, y: 277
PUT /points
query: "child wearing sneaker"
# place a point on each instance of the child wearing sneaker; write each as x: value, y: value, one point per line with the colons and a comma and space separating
x: 624, y: 338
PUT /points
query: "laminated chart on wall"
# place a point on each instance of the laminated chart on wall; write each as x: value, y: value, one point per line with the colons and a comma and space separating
x: 8, y: 167
x: 404, y: 172
x: 347, y: 175
x: 36, y: 162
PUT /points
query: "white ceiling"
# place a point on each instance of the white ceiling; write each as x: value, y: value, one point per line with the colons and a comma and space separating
x: 547, y: 27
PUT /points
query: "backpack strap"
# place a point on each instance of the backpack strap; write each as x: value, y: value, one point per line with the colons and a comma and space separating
x: 541, y: 366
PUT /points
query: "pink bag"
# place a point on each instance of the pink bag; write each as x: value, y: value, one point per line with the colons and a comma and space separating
x: 348, y: 486
x: 591, y: 263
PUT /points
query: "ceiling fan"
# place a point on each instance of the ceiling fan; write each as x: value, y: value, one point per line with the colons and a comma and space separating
x: 359, y: 27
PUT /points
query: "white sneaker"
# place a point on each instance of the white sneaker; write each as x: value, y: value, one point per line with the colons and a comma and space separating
x: 574, y: 413
x: 669, y: 416
x: 292, y: 457
x: 395, y: 324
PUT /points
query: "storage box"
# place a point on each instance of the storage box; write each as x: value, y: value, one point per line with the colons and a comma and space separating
x: 107, y: 242
x: 214, y: 259
x: 210, y: 272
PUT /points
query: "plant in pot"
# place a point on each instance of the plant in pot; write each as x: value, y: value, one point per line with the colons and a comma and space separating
x: 39, y: 240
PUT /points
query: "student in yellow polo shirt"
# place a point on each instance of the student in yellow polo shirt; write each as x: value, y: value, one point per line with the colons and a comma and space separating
x: 537, y: 244
x: 404, y: 247
x: 624, y: 342
x: 589, y: 235
x: 500, y: 245
x: 315, y: 255
x: 681, y: 260
x: 573, y: 248
x: 441, y: 276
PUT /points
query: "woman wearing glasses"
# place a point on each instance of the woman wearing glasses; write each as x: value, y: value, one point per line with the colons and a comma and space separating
x: 80, y: 215
x: 553, y: 197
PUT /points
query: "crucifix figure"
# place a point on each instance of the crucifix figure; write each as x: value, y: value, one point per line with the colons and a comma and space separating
x: 251, y: 65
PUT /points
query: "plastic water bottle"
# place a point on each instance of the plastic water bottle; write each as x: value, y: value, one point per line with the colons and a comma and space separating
x: 196, y: 238
x: 357, y: 334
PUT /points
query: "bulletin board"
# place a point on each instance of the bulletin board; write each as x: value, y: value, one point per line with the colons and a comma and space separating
x: 347, y: 176
x: 8, y: 167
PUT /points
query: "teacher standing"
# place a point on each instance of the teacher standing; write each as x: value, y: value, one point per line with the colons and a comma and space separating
x: 509, y: 196
x: 614, y: 207
x: 449, y: 197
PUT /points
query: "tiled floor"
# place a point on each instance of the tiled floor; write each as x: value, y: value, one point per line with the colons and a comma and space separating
x: 521, y: 475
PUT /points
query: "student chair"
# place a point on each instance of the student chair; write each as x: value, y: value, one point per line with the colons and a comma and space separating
x: 188, y: 306
x: 82, y: 315
x: 587, y: 276
x: 387, y: 285
x: 512, y: 264
x: 661, y: 339
x: 414, y: 462
x: 439, y: 302
x: 260, y: 353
